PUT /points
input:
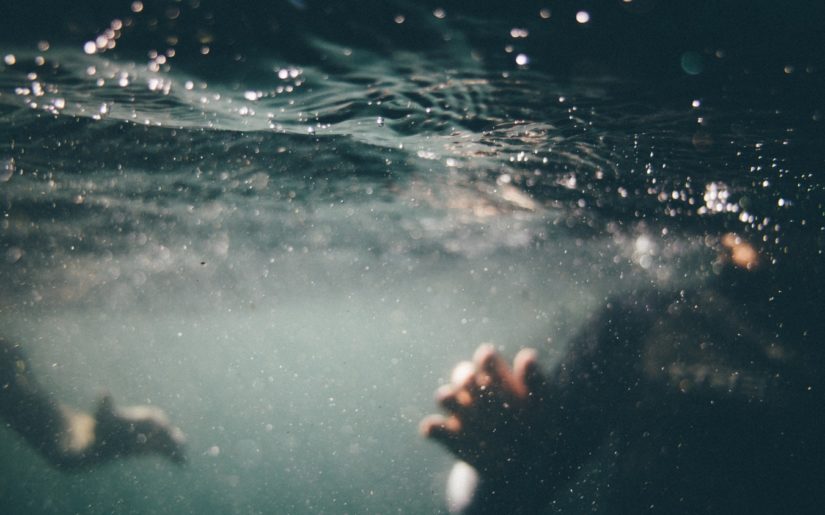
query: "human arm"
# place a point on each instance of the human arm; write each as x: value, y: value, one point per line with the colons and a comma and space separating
x: 74, y: 439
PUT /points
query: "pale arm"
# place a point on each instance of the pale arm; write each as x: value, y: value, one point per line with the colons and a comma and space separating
x: 71, y: 439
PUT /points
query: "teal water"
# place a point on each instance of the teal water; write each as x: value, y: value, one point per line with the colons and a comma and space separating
x: 286, y: 235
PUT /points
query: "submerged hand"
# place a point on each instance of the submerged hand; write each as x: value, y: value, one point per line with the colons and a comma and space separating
x: 497, y: 416
x: 135, y: 430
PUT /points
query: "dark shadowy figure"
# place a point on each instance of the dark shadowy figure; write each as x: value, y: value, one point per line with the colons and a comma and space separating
x: 691, y: 408
x: 71, y: 439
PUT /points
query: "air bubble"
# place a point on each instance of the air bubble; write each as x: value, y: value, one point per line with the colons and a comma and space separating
x: 692, y: 63
x: 7, y: 169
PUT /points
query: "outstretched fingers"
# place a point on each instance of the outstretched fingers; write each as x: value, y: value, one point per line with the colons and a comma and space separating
x: 486, y: 405
x: 488, y: 383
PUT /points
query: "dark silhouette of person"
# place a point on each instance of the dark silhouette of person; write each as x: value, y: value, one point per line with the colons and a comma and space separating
x: 690, y: 402
x: 71, y: 439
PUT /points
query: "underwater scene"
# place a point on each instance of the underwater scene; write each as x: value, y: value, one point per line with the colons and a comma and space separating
x: 244, y: 244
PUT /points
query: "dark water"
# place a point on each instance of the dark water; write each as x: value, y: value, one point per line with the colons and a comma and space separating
x: 283, y: 222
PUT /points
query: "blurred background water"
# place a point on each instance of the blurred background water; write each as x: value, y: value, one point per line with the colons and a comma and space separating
x: 283, y: 222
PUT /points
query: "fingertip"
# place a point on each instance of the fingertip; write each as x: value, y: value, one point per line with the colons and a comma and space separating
x: 439, y: 428
x: 444, y: 391
x: 491, y: 364
x: 425, y: 427
x: 527, y: 370
x: 463, y: 373
x: 485, y: 355
x: 445, y: 396
x: 526, y: 360
x: 453, y: 399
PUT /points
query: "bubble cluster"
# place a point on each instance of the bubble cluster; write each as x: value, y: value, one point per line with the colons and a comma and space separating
x: 107, y: 40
